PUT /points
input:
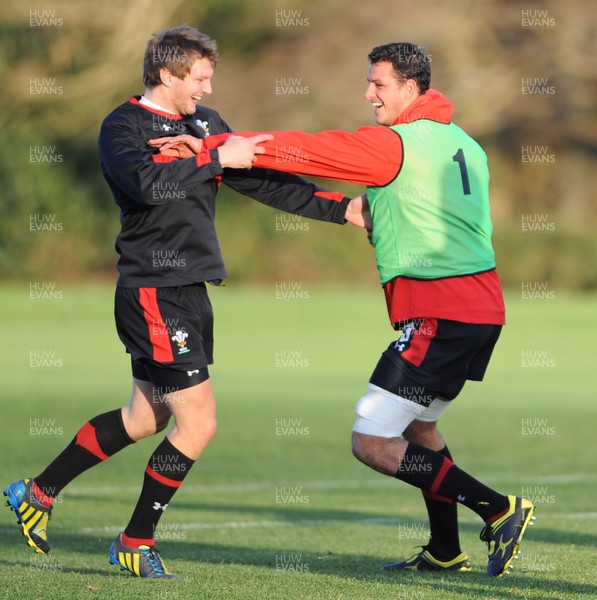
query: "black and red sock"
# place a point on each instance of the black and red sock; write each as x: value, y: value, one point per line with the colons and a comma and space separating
x: 165, y: 472
x: 100, y: 438
x: 437, y: 474
x: 444, y: 543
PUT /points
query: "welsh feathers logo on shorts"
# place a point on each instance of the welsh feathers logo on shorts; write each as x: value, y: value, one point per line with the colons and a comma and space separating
x: 181, y: 341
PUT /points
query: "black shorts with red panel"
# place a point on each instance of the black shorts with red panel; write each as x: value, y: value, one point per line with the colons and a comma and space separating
x: 168, y: 332
x: 435, y: 357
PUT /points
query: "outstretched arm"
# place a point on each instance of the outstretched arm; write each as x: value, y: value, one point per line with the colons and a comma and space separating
x: 371, y: 156
x: 277, y: 189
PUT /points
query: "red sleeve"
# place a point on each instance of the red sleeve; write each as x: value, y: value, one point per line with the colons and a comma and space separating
x: 371, y: 156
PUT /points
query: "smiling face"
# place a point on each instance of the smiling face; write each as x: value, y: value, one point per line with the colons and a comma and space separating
x: 389, y: 93
x: 181, y: 96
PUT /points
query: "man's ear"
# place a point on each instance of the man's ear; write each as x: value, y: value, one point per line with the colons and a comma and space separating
x: 165, y: 77
x: 412, y: 86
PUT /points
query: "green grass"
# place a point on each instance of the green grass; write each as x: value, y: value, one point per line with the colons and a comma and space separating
x: 267, y: 515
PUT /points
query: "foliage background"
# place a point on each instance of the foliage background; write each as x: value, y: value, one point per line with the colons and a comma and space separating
x: 481, y: 52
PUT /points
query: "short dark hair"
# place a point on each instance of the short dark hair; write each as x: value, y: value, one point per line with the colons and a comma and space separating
x: 409, y: 62
x: 176, y: 49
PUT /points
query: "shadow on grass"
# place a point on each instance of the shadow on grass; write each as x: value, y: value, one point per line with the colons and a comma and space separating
x: 367, y: 569
x: 345, y: 565
x: 350, y: 566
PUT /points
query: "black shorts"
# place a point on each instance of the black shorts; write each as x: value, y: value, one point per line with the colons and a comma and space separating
x: 435, y: 357
x: 168, y: 332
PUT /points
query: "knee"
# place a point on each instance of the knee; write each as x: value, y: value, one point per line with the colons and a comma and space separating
x: 361, y: 448
x: 193, y: 441
x: 380, y: 454
x: 211, y: 426
x: 199, y: 433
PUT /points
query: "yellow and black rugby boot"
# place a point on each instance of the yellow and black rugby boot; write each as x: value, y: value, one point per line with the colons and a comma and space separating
x: 32, y: 515
x: 425, y: 561
x: 503, y: 536
x: 143, y: 561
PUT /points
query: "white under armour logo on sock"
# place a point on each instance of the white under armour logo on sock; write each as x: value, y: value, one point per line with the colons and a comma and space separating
x: 158, y: 506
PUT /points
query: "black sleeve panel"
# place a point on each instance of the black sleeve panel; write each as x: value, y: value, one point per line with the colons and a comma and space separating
x: 288, y: 193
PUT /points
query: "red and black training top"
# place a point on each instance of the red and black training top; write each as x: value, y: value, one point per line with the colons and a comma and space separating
x: 167, y: 205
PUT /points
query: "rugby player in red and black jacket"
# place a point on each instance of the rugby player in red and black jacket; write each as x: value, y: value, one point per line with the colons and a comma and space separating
x: 168, y: 249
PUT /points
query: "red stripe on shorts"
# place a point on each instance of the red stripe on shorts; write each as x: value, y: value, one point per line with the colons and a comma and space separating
x: 420, y: 342
x: 158, y: 332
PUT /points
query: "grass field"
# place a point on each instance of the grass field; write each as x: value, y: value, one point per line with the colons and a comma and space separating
x: 277, y: 507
